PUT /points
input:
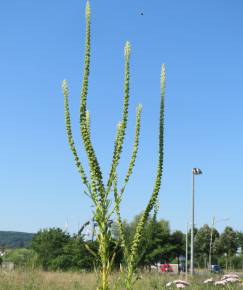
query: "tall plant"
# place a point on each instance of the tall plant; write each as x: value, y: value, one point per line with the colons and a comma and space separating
x: 99, y: 191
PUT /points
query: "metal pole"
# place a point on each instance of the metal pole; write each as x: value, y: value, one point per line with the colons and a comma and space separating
x: 210, y: 246
x: 192, y: 227
x: 186, y: 250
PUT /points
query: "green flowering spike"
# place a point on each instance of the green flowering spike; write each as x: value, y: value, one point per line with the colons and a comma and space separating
x: 120, y: 140
x: 127, y: 50
x: 118, y: 214
x: 131, y: 263
x: 95, y: 172
x: 135, y: 147
x: 156, y: 209
x: 87, y: 10
x: 84, y: 91
x: 70, y: 135
x: 118, y: 133
x: 87, y: 119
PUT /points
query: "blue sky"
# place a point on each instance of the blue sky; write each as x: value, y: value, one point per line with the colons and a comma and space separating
x: 42, y: 43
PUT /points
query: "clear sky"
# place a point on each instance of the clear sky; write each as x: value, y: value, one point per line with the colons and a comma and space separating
x: 201, y: 44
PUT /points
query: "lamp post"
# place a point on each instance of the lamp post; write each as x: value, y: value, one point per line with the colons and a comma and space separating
x: 195, y: 171
x: 210, y: 245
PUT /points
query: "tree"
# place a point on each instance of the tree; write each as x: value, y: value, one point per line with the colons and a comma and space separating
x: 57, y: 250
x: 240, y: 241
x: 178, y: 241
x: 76, y: 256
x: 202, y: 243
x: 228, y: 243
x: 157, y: 244
x: 49, y: 244
x: 26, y: 258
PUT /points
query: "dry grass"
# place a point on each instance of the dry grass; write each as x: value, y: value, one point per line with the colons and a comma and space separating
x: 37, y: 280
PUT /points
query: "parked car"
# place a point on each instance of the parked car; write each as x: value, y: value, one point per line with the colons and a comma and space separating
x: 216, y: 269
x: 182, y: 267
x: 164, y: 268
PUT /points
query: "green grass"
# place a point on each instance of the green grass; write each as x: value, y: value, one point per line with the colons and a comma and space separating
x: 38, y: 280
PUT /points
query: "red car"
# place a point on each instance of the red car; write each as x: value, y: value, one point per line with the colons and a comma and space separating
x: 166, y: 268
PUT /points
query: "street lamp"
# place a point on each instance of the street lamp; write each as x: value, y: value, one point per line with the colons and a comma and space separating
x: 195, y: 171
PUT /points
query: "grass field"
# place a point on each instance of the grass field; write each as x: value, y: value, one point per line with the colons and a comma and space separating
x: 37, y: 280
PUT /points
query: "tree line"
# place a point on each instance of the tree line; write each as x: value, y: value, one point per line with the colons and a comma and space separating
x: 11, y: 239
x: 54, y: 249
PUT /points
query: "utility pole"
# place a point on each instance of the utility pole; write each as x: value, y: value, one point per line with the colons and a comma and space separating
x: 195, y: 171
x: 210, y: 245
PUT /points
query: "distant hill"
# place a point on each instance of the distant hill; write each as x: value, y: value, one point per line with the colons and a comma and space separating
x: 15, y: 239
